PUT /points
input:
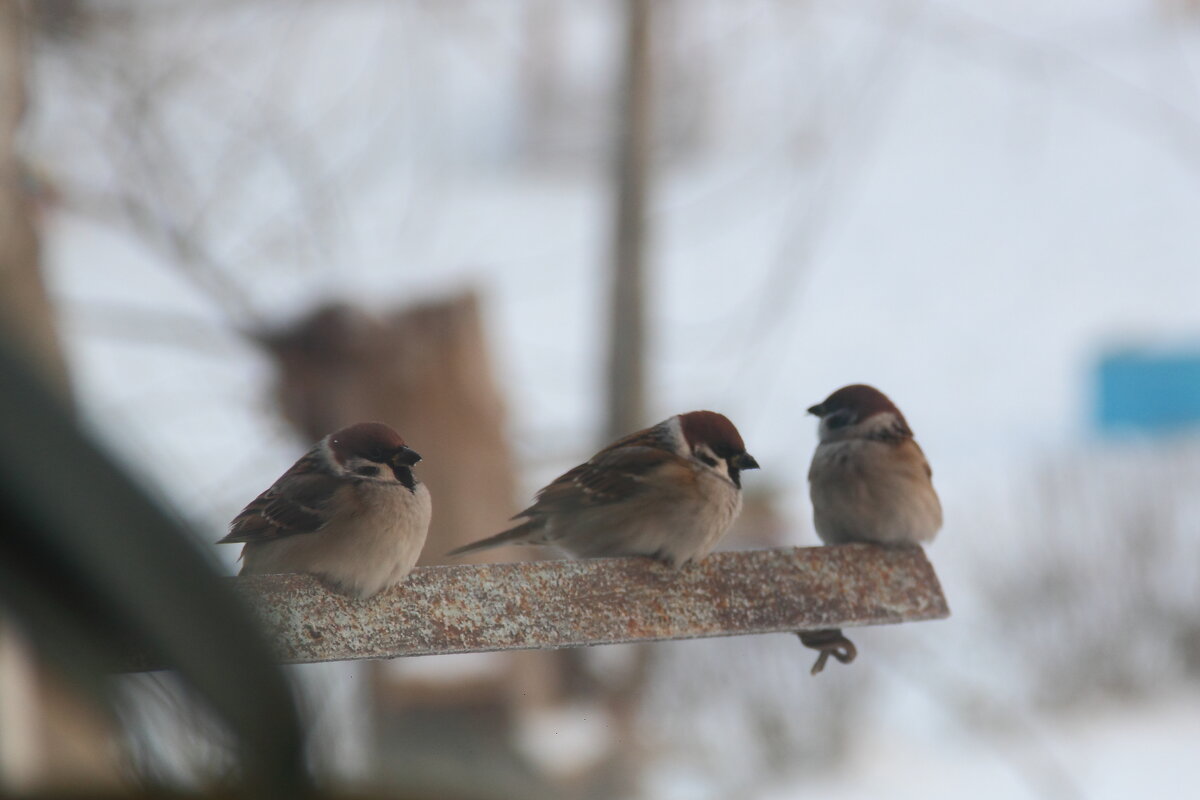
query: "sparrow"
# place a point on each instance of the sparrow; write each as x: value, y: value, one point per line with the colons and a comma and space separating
x: 350, y: 511
x: 670, y: 492
x: 869, y: 482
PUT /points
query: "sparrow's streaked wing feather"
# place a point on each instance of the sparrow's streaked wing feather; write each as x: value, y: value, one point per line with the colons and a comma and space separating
x: 296, y: 503
x: 613, y: 475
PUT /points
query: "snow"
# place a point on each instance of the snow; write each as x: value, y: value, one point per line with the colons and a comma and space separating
x: 1111, y: 752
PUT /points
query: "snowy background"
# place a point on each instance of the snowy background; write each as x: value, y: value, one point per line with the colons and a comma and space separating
x: 964, y: 204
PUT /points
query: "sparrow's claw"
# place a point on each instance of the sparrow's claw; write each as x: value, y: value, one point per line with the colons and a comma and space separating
x: 829, y: 642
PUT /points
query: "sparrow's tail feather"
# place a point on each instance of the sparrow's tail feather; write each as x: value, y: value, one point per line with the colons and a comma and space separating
x: 516, y: 535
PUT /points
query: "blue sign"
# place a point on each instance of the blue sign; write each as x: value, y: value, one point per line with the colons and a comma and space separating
x: 1149, y: 391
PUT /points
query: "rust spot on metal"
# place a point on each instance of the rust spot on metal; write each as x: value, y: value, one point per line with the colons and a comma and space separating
x: 552, y: 604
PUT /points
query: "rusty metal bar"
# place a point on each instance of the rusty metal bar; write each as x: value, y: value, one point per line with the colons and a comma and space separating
x: 552, y: 604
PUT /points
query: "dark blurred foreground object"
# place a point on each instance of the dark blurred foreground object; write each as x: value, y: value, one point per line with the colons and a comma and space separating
x: 91, y: 567
x: 1148, y: 391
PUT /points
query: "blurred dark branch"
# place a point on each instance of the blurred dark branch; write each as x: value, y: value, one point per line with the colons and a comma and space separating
x: 91, y: 572
x: 172, y: 210
x: 187, y: 252
x: 859, y: 123
x: 294, y: 149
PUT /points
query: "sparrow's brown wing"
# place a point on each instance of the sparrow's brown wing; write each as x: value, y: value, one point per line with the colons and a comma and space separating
x: 296, y: 503
x: 909, y: 455
x: 924, y: 460
x: 618, y: 473
x: 612, y: 475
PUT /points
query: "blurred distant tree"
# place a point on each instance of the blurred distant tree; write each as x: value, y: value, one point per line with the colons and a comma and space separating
x: 1108, y: 607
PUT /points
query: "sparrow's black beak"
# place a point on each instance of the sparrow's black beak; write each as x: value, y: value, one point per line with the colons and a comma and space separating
x: 744, y: 461
x: 817, y: 410
x: 406, y: 457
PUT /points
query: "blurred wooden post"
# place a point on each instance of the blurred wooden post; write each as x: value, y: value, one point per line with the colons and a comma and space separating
x: 625, y: 385
x: 541, y: 76
x: 627, y: 335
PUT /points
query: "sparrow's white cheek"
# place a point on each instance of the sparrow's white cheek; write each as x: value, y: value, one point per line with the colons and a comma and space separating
x: 704, y: 454
x: 369, y: 470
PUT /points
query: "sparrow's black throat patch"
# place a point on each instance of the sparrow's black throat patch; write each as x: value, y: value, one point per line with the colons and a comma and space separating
x: 405, y: 476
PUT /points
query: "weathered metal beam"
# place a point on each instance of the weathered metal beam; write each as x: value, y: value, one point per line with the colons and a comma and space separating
x: 552, y: 604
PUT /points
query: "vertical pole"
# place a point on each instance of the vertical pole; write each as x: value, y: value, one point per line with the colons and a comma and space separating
x: 626, y: 386
x: 627, y: 324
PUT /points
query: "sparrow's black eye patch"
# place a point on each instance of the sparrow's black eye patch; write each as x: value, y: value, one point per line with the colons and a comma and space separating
x: 369, y: 472
x: 839, y: 419
x: 707, y: 459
